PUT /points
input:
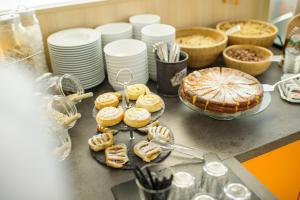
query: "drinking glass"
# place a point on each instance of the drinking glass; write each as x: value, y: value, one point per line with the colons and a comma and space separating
x: 157, y: 171
x: 235, y: 191
x: 184, y: 185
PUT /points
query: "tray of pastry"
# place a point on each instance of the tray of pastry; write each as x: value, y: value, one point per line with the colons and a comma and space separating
x: 223, y: 93
x: 143, y: 108
x: 115, y: 150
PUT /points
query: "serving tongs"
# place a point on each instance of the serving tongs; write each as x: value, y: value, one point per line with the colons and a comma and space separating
x: 182, y: 149
x: 271, y: 88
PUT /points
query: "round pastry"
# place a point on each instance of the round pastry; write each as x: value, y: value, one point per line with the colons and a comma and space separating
x: 160, y: 132
x: 151, y: 102
x: 134, y: 91
x: 101, y: 141
x: 107, y: 99
x: 110, y: 116
x: 137, y: 117
x: 221, y: 90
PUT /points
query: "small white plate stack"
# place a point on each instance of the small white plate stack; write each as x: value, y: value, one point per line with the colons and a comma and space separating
x: 152, y: 34
x: 139, y: 21
x: 114, y: 31
x: 78, y: 52
x: 126, y: 53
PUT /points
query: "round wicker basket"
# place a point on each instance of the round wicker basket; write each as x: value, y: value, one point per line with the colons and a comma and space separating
x: 202, y: 56
x: 252, y: 68
x: 264, y: 40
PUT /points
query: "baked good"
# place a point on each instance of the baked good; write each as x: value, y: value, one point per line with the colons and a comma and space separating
x: 110, y: 116
x: 196, y: 41
x: 146, y: 128
x: 151, y: 102
x: 104, y: 129
x: 146, y: 151
x: 116, y: 155
x: 137, y: 117
x: 101, y: 141
x: 107, y: 99
x: 134, y: 91
x: 160, y: 132
x: 221, y: 90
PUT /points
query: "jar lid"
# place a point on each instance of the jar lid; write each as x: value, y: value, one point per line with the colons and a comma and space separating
x: 24, y: 11
x: 9, y: 19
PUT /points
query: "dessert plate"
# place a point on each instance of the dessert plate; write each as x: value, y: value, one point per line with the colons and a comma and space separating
x: 225, y: 116
x: 123, y: 138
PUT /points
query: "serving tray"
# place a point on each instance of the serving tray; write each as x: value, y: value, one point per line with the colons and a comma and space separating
x: 123, y: 137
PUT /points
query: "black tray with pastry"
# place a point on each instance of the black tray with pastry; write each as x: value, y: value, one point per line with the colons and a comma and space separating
x: 127, y: 122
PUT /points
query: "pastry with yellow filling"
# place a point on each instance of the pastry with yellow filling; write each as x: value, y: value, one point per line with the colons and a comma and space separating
x: 110, y: 116
x: 100, y: 141
x: 137, y: 117
x: 146, y: 151
x: 151, y: 102
x: 134, y: 91
x: 106, y: 100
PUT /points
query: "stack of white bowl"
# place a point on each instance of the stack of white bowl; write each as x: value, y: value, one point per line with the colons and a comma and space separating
x: 152, y: 34
x: 126, y: 53
x: 78, y: 52
x: 139, y: 21
x: 114, y: 31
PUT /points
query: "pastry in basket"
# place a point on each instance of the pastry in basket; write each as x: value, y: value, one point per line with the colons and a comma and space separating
x: 221, y: 90
x: 116, y: 155
x: 110, y: 116
x: 134, y: 91
x: 101, y: 141
x: 137, y: 117
x: 160, y: 132
x: 146, y: 151
x: 104, y: 129
x: 151, y: 102
x: 107, y: 99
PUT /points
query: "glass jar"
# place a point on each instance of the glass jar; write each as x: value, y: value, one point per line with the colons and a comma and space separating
x: 33, y: 37
x: 13, y: 49
x: 64, y: 85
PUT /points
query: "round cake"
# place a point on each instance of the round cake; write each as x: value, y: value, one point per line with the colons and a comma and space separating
x: 221, y: 90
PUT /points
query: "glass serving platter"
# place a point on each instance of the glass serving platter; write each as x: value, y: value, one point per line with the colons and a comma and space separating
x: 226, y: 116
x: 122, y: 126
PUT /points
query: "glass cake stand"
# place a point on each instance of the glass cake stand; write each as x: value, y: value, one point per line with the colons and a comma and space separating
x: 135, y: 136
x: 227, y: 116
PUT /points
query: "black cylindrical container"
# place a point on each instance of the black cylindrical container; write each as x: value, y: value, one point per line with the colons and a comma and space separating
x: 169, y: 75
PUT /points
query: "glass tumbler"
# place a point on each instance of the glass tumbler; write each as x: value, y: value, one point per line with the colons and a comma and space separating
x: 203, y: 196
x: 236, y: 191
x: 158, y: 172
x: 214, y: 178
x: 184, y: 186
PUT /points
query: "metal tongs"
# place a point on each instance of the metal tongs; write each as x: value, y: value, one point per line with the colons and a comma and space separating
x: 271, y: 88
x: 189, y: 151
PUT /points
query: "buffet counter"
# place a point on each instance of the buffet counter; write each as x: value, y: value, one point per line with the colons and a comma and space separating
x: 234, y: 141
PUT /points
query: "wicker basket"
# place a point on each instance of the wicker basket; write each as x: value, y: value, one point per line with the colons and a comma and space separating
x: 252, y: 68
x: 264, y: 41
x: 202, y: 56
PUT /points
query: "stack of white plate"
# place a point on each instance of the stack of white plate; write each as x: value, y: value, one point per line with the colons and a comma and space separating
x: 152, y: 34
x: 126, y: 53
x: 78, y: 52
x: 114, y: 31
x: 139, y: 21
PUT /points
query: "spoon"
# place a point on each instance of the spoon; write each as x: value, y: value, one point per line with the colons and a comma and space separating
x: 271, y: 88
x: 191, y: 152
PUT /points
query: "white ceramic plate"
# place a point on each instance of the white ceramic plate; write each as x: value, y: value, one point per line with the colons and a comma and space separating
x: 125, y: 48
x: 114, y: 28
x: 73, y: 37
x: 143, y: 19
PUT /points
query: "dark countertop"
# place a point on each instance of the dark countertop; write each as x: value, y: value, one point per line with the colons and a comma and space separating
x: 243, y: 138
